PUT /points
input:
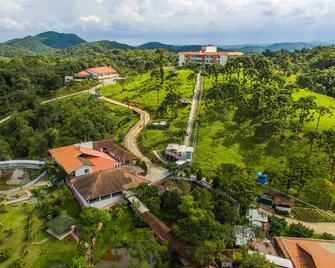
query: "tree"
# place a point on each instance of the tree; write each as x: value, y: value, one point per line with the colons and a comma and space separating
x: 4, y: 254
x: 161, y: 61
x: 322, y: 111
x: 199, y: 175
x: 299, y: 230
x: 278, y: 225
x: 254, y: 260
x: 207, y: 252
x: 17, y: 263
x: 148, y: 194
x: 81, y: 262
x: 145, y: 251
x: 304, y: 106
x: 327, y: 236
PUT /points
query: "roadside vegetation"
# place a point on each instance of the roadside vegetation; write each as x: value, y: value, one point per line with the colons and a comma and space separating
x: 31, y: 133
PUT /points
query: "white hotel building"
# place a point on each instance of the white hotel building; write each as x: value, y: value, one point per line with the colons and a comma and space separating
x: 207, y: 55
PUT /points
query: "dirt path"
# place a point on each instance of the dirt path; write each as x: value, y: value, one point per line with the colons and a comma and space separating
x: 318, y: 227
x: 155, y: 172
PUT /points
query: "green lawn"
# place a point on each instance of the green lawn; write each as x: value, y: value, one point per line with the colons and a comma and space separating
x: 44, y: 255
x: 146, y: 91
x: 143, y: 90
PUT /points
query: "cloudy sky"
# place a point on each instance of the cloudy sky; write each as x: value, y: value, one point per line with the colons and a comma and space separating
x: 173, y: 21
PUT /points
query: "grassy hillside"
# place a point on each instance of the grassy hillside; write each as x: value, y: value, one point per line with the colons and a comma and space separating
x: 219, y: 143
x: 143, y: 90
x: 148, y: 92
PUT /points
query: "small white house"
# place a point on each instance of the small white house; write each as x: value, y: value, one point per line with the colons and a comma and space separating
x: 180, y: 152
x: 257, y: 217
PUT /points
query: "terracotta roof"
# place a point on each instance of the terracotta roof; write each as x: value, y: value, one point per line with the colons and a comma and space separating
x: 201, y: 53
x: 102, y: 70
x: 105, y: 182
x: 308, y: 253
x: 82, y: 73
x: 112, y: 147
x: 68, y: 157
x: 73, y: 157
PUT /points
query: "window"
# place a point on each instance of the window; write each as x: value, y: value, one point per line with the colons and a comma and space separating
x: 105, y: 197
x: 117, y: 194
x: 86, y: 171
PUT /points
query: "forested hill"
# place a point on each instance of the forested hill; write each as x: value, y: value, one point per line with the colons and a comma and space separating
x: 42, y: 43
x: 53, y: 42
x: 314, y: 68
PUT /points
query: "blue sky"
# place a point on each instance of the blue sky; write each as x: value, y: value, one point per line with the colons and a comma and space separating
x: 173, y: 21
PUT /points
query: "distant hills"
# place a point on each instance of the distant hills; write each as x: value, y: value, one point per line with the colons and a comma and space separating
x: 53, y: 42
x: 46, y: 42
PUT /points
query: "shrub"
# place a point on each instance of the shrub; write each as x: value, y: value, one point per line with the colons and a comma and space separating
x: 4, y: 254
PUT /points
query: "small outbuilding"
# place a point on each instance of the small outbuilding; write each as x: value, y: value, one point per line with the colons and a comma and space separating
x: 61, y: 226
x: 282, y: 203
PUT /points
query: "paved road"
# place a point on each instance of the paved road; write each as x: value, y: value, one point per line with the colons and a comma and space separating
x: 59, y: 98
x: 193, y: 111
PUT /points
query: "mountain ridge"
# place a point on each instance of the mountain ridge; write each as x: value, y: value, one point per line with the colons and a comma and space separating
x: 69, y: 43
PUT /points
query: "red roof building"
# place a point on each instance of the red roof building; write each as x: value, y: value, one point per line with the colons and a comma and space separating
x: 77, y: 160
x: 307, y: 253
x: 102, y: 72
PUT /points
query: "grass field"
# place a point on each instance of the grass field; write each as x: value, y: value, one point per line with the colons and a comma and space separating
x: 143, y: 90
x: 44, y: 255
x: 148, y: 92
x: 219, y: 144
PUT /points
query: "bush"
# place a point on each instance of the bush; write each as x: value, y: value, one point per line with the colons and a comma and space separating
x: 4, y: 254
x: 299, y: 230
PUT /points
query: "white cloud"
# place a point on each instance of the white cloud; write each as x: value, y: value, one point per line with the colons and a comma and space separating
x: 180, y: 20
x: 12, y: 24
x: 90, y: 19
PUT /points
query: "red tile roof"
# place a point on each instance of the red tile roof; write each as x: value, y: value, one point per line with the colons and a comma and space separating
x: 308, y: 253
x: 82, y: 73
x: 102, y: 70
x: 73, y: 157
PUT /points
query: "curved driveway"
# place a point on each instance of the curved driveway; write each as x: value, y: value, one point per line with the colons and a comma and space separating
x: 155, y: 172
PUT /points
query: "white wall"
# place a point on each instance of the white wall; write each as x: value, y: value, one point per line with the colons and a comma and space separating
x: 223, y: 60
x: 181, y: 59
x: 81, y: 171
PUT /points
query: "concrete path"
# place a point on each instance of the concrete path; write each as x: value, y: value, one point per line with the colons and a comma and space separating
x: 193, y: 111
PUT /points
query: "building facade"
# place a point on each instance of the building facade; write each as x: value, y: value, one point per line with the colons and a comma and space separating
x: 207, y: 55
